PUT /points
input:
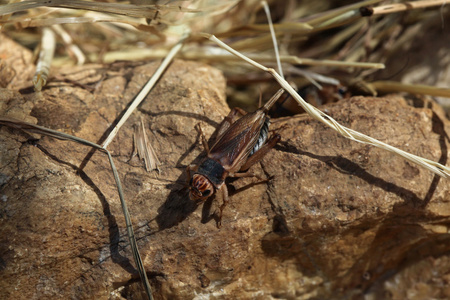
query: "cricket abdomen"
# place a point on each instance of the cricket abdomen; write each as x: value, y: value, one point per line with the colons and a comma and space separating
x: 263, y: 135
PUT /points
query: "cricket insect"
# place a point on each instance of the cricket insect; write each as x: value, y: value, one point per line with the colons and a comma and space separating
x: 239, y: 144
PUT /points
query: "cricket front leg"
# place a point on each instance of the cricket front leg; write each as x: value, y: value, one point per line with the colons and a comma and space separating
x: 224, y: 204
x: 188, y: 173
x: 258, y: 155
x: 202, y: 135
x: 246, y: 174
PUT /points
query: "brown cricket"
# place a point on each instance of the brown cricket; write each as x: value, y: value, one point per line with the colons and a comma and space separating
x: 239, y: 144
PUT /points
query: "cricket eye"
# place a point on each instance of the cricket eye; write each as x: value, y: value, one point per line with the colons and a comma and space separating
x: 206, y: 193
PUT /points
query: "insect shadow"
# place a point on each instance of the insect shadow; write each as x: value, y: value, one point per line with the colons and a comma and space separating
x: 178, y: 206
x: 346, y: 166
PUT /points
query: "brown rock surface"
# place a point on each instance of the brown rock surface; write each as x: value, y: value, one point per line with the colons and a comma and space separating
x: 338, y: 219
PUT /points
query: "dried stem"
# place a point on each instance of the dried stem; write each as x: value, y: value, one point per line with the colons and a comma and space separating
x: 274, y: 37
x: 48, y: 44
x: 72, y: 48
x: 146, y: 89
x: 315, y: 113
x: 398, y: 87
x: 398, y: 7
x: 10, y: 122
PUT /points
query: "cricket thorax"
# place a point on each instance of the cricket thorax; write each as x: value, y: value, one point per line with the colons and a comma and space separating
x: 213, y: 170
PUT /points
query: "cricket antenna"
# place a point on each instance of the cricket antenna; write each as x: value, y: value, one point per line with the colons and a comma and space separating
x: 260, y: 97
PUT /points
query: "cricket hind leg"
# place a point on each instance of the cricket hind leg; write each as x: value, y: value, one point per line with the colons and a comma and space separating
x: 258, y: 155
x: 224, y: 204
x: 202, y: 136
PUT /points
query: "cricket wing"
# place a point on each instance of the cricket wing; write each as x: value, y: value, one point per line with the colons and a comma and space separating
x: 236, y: 143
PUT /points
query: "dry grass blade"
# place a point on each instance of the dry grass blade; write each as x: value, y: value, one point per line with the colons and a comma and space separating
x: 64, y: 136
x: 10, y: 122
x: 313, y: 77
x: 435, y: 167
x: 24, y: 22
x: 336, y: 16
x: 398, y: 7
x: 138, y: 54
x: 146, y: 89
x: 48, y: 44
x: 323, y: 62
x: 284, y: 27
x: 71, y: 47
x: 137, y: 11
x: 274, y: 38
x: 130, y: 232
x: 144, y: 148
x: 393, y: 87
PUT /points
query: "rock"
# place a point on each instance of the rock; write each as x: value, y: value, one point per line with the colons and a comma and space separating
x: 337, y: 219
x: 16, y: 66
x: 359, y: 213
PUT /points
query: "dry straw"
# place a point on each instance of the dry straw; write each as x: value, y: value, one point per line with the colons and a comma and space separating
x: 434, y: 167
x: 48, y: 44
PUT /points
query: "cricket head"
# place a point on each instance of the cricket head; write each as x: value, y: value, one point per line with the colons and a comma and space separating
x: 200, y: 188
